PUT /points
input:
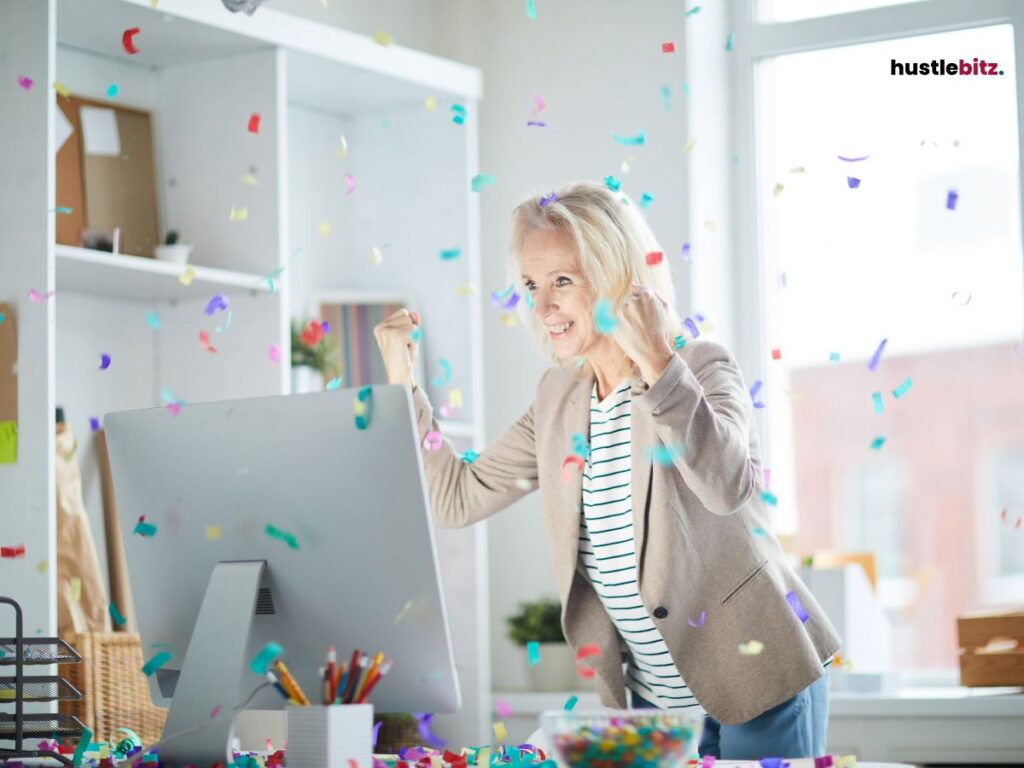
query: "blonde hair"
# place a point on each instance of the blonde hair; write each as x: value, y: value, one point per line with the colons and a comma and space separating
x: 612, y: 240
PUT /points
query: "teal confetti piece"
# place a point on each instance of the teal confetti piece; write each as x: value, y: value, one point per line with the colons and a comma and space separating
x: 833, y: 357
x: 83, y: 744
x: 481, y: 180
x: 531, y: 10
x: 686, y: 89
x: 115, y: 615
x: 679, y: 342
x: 877, y: 443
x: 666, y: 96
x: 155, y: 663
x: 901, y: 390
x: 612, y: 183
x: 459, y: 116
x: 759, y: 532
x: 728, y: 42
x: 527, y: 299
x: 112, y: 91
x: 416, y: 334
x: 665, y: 455
x: 876, y: 397
x: 2, y: 318
x: 604, y: 321
x: 334, y: 384
x: 769, y: 498
x: 570, y: 703
x: 579, y: 445
x: 631, y: 141
x: 277, y: 533
x: 470, y: 456
x: 153, y: 321
x: 646, y: 199
x: 363, y: 407
x: 533, y: 653
x: 62, y: 209
x: 442, y: 381
x: 450, y: 253
x: 261, y: 661
x: 692, y: 11
x: 145, y: 529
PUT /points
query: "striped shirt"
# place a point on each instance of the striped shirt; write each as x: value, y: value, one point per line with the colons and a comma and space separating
x: 608, y: 554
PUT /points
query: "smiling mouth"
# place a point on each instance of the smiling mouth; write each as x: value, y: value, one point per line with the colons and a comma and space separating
x: 558, y: 331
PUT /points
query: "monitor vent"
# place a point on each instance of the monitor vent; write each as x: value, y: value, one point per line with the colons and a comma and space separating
x: 265, y: 602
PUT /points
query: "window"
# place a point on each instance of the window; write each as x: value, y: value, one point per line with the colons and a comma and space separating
x: 791, y: 10
x: 888, y: 208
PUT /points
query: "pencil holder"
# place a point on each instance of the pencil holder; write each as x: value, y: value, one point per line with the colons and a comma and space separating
x: 328, y: 737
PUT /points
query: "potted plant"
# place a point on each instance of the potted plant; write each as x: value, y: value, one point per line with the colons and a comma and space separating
x: 172, y: 250
x: 541, y: 622
x: 314, y: 355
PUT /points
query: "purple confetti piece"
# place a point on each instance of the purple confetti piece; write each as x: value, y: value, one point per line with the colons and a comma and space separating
x: 691, y: 327
x: 546, y: 200
x: 951, y: 197
x: 753, y: 394
x: 699, y: 622
x: 538, y: 123
x: 26, y: 83
x: 94, y: 424
x: 798, y: 608
x: 699, y: 316
x: 686, y: 252
x: 873, y: 363
x: 376, y: 732
x: 852, y: 182
x: 219, y: 301
x: 325, y: 326
x: 771, y: 762
x: 852, y: 159
x: 104, y: 361
x: 423, y: 726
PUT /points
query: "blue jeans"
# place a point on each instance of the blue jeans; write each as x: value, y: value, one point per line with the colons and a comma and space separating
x: 795, y: 728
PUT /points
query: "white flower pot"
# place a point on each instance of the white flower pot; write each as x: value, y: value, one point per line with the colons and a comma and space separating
x: 176, y: 254
x: 556, y: 670
x: 306, y: 379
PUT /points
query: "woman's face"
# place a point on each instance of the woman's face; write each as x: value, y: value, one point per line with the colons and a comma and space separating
x: 563, y: 301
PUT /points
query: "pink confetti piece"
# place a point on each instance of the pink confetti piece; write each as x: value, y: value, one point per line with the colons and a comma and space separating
x: 254, y: 122
x: 204, y: 342
x: 503, y: 709
x: 432, y: 441
x: 350, y: 183
x: 274, y: 353
x: 104, y: 361
x: 669, y: 47
x: 584, y: 653
x: 25, y: 82
x: 214, y: 712
x: 653, y: 258
x: 577, y: 461
x: 699, y: 622
x: 174, y: 408
x: 39, y: 298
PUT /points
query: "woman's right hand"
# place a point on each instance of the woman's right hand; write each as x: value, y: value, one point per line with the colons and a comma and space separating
x: 393, y: 335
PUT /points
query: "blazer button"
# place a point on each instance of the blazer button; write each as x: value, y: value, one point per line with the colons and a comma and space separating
x: 660, y: 612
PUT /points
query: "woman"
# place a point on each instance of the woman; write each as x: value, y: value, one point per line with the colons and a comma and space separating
x: 660, y: 543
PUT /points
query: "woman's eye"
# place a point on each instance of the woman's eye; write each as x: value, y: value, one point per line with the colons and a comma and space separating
x: 529, y: 285
x: 560, y: 283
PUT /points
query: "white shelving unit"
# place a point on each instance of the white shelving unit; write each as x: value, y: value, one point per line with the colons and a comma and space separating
x: 201, y: 71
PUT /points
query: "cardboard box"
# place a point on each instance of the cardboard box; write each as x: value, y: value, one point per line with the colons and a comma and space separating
x: 998, y: 665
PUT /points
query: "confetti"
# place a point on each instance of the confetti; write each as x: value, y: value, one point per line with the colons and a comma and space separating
x: 579, y: 445
x: 873, y: 363
x: 666, y: 455
x: 13, y: 553
x: 219, y: 301
x: 128, y: 40
x: 699, y: 622
x: 758, y: 532
x: 582, y: 655
x: 728, y: 42
x: 112, y: 91
x: 688, y: 146
x: 37, y: 297
x: 362, y: 407
x: 503, y: 709
x: 777, y: 190
x: 104, y: 361
x: 876, y: 398
x: 666, y: 96
x: 416, y: 334
x: 500, y: 733
x: 695, y: 9
x: 570, y: 703
x: 376, y: 257
x: 430, y: 103
x: 575, y: 461
x: 612, y: 183
x: 250, y: 179
x: 155, y: 663
x: 450, y: 253
x: 852, y: 182
x: 546, y: 200
x: 115, y: 615
x: 153, y: 321
x: 509, y: 321
x: 798, y: 608
x: 961, y: 303
x: 254, y: 122
x: 776, y: 353
x: 877, y: 443
x: 186, y: 277
x: 533, y: 653
x: 405, y: 609
x: 604, y: 321
x: 686, y: 252
x: 772, y: 762
x: 212, y: 532
x: 144, y: 529
x: 631, y: 141
x: 753, y: 393
x: 797, y: 169
x: 350, y: 183
x: 83, y: 742
x: 833, y: 357
x: 458, y: 114
x: 423, y: 726
x: 384, y: 39
x: 646, y: 199
x: 505, y: 299
x: 342, y: 149
x: 333, y: 384
x: 442, y: 381
x: 214, y: 712
x: 653, y: 258
x: 769, y: 498
x: 902, y: 388
x: 528, y: 300
x: 853, y: 159
x: 470, y: 456
x: 62, y: 209
x: 710, y: 224
x: 261, y: 661
x: 274, y: 353
x: 94, y: 424
x: 376, y: 731
x: 276, y: 533
x: 531, y: 10
x: 25, y: 82
x: 61, y: 89
x: 481, y: 180
x: 204, y: 342
x: 239, y: 214
x: 668, y: 47
x: 951, y: 197
x: 753, y: 648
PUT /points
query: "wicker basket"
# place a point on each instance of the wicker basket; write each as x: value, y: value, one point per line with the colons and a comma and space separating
x: 115, y: 692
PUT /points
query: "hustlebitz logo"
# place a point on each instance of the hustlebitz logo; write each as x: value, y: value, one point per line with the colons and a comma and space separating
x: 942, y: 67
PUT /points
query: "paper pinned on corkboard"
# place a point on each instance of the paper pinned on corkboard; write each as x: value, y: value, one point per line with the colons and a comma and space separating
x: 8, y: 386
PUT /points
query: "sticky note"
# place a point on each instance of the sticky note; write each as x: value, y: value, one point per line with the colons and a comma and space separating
x: 8, y: 442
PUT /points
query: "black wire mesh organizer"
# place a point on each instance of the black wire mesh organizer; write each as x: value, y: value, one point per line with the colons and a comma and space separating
x: 19, y: 689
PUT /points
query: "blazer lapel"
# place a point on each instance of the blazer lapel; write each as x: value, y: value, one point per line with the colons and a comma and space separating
x: 642, y: 438
x: 576, y: 419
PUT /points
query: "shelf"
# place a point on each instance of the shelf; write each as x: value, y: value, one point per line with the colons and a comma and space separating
x: 82, y: 270
x: 532, y: 703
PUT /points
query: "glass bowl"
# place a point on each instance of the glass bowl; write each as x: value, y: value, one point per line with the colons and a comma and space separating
x: 625, y: 738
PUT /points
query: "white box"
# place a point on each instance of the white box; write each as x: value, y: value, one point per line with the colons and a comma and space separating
x: 329, y: 737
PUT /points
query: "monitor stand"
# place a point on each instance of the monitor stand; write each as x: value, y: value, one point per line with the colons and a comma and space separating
x: 213, y: 669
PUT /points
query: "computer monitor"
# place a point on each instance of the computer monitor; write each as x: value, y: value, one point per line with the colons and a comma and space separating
x: 279, y: 519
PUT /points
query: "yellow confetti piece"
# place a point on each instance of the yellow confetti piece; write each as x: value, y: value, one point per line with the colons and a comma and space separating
x: 509, y: 320
x: 711, y: 225
x: 753, y: 648
x: 455, y: 398
x: 251, y: 180
x: 342, y: 149
x: 436, y: 762
x: 358, y: 408
x: 239, y: 214
x: 797, y: 169
x: 688, y: 146
x: 778, y: 189
x: 383, y: 38
x: 846, y: 761
x: 500, y: 734
x: 186, y: 277
x: 60, y: 88
x: 376, y: 257
x: 325, y: 229
x: 466, y: 289
x: 76, y: 588
x: 430, y: 103
x: 405, y: 609
x: 41, y: 566
x: 483, y: 756
x: 213, y: 532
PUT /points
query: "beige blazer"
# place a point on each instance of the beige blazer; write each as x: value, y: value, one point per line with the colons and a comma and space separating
x: 693, y: 527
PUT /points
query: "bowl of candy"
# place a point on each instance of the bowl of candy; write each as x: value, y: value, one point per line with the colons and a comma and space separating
x: 628, y: 738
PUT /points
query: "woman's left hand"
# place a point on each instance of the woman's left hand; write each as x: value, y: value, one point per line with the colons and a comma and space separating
x: 642, y: 332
